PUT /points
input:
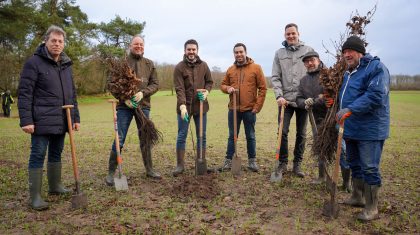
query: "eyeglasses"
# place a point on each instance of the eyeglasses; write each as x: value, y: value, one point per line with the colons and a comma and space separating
x: 312, y: 59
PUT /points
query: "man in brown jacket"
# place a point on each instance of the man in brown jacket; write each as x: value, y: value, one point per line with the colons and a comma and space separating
x: 190, y: 75
x: 247, y: 79
x: 145, y: 70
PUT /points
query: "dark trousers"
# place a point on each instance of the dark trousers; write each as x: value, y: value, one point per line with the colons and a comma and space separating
x: 301, y: 119
x: 249, y: 118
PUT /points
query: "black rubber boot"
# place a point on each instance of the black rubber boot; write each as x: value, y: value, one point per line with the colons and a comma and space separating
x: 148, y: 164
x: 345, y: 173
x: 370, y: 212
x: 54, y: 179
x: 252, y: 164
x: 297, y: 170
x: 180, y: 165
x: 112, y: 166
x: 321, y: 173
x: 35, y: 185
x: 357, y: 199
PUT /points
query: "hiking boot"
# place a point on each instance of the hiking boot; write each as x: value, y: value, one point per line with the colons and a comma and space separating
x: 370, y: 212
x: 54, y: 179
x: 35, y: 184
x: 179, y: 169
x: 252, y: 164
x: 112, y: 166
x: 356, y: 199
x: 227, y: 165
x: 282, y: 167
x: 297, y: 170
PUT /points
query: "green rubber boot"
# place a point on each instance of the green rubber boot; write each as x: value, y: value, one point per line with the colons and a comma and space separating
x: 357, y: 197
x: 370, y: 212
x: 54, y: 179
x: 35, y: 184
x: 112, y: 166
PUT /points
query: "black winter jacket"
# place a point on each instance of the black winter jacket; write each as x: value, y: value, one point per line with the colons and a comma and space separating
x: 44, y: 87
x: 309, y: 87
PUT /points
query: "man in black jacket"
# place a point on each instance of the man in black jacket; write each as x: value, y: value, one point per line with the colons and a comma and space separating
x: 46, y: 84
x: 310, y: 96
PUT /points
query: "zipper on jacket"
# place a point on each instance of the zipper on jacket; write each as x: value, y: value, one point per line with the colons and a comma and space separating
x: 345, y: 87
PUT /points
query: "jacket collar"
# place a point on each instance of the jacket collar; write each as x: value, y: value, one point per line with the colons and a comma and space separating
x: 194, y: 63
x: 42, y: 51
x: 292, y: 47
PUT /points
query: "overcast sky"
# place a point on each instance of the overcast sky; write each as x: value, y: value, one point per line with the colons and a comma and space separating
x: 217, y: 25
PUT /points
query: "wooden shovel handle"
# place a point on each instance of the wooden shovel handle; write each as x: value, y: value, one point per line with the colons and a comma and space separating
x: 72, y: 145
x: 338, y: 153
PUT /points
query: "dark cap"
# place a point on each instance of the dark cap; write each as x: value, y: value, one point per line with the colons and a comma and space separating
x: 354, y: 43
x: 310, y: 54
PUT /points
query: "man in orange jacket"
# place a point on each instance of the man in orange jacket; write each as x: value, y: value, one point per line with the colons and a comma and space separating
x: 247, y: 79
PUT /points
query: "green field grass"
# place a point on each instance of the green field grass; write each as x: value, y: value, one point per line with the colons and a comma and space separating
x: 250, y: 204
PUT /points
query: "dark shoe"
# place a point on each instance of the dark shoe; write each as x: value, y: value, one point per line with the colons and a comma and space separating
x: 227, y: 165
x: 252, y: 164
x: 370, y: 212
x: 356, y: 199
x: 179, y: 169
x: 112, y: 166
x: 345, y: 173
x: 282, y: 168
x: 148, y: 164
x: 297, y: 170
x: 35, y: 185
x: 321, y: 173
x: 54, y: 179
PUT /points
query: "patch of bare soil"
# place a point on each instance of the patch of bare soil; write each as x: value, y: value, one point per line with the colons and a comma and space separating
x: 199, y: 187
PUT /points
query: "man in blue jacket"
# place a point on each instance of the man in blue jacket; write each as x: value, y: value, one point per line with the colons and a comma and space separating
x: 46, y: 84
x: 364, y: 105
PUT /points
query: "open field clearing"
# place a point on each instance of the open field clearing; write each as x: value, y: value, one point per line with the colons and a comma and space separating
x: 212, y: 204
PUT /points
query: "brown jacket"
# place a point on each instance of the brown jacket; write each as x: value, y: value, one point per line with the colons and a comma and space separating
x: 188, y: 78
x: 146, y: 71
x: 250, y: 81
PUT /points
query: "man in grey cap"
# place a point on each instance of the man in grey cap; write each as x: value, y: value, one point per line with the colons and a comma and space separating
x: 310, y: 97
x: 364, y: 105
x: 287, y: 71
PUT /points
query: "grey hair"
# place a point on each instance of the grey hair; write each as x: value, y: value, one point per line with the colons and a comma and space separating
x: 137, y: 36
x: 54, y: 29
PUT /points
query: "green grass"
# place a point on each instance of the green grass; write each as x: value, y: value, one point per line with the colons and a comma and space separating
x: 250, y: 204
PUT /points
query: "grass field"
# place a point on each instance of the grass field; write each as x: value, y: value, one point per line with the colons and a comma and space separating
x: 247, y: 205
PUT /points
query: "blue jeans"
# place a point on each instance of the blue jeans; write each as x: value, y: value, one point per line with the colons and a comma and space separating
x: 124, y: 118
x: 183, y: 131
x: 249, y: 118
x: 343, y: 157
x: 301, y: 119
x: 39, y: 144
x: 364, y: 157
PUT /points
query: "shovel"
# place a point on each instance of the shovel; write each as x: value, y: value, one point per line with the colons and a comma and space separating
x: 78, y: 199
x: 200, y: 165
x: 331, y: 208
x: 120, y: 181
x: 276, y: 176
x: 236, y: 160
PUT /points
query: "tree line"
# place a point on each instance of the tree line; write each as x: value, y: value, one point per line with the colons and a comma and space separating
x: 24, y: 22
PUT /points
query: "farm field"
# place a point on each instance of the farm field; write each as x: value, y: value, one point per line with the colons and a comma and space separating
x: 213, y: 204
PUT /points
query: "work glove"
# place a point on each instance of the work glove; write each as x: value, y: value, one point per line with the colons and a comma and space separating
x: 138, y: 96
x: 131, y: 103
x: 184, y: 113
x: 342, y: 115
x: 329, y: 102
x: 202, y: 95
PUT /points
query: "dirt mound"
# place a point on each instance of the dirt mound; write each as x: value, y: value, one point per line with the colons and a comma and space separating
x: 200, y: 187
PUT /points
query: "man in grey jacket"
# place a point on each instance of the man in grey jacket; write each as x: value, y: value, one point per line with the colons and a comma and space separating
x: 287, y: 71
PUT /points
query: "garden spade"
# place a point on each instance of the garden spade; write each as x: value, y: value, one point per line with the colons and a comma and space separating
x: 331, y: 208
x: 236, y: 160
x: 200, y: 163
x: 78, y: 199
x: 276, y: 176
x: 120, y: 180
x: 313, y: 124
